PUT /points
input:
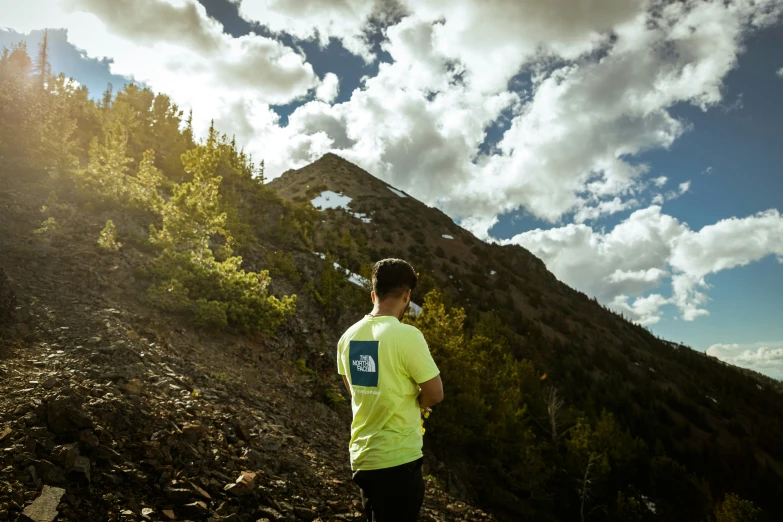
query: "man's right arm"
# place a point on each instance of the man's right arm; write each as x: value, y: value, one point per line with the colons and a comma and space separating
x: 423, y: 370
x: 431, y: 392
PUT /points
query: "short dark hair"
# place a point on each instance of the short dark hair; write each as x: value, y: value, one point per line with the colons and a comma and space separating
x: 392, y: 277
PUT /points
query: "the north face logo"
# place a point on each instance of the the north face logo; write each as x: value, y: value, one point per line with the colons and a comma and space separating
x: 364, y: 363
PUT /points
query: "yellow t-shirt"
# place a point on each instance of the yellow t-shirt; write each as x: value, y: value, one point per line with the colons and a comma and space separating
x: 384, y: 361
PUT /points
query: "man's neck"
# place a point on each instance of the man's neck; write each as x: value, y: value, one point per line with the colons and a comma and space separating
x: 384, y: 312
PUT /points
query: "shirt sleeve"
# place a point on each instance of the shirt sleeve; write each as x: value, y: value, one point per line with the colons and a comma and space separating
x: 418, y: 360
x: 340, y: 359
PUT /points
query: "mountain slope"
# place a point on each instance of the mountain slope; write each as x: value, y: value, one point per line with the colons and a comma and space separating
x: 138, y: 415
x: 721, y: 423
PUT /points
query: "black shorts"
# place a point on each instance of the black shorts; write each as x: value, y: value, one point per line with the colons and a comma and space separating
x: 392, y: 494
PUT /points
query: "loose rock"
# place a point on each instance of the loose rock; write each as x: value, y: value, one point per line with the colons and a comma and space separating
x: 195, y: 510
x: 44, y: 508
x: 65, y: 415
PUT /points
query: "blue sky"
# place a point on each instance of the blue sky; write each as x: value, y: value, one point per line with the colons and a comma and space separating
x: 641, y: 161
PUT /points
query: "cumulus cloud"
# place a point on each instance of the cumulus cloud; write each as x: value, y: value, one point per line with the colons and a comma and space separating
x: 780, y: 72
x: 329, y: 88
x: 766, y: 358
x: 479, y: 227
x: 493, y: 39
x: 586, y: 119
x: 648, y: 249
x: 345, y: 20
x: 153, y: 21
x: 645, y: 310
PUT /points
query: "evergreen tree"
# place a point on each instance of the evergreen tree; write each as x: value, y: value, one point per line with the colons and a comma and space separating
x: 107, y: 170
x: 735, y: 509
x: 107, y: 97
x: 108, y: 238
x: 193, y: 214
x: 19, y: 61
x: 194, y: 277
x: 43, y: 68
x: 146, y: 184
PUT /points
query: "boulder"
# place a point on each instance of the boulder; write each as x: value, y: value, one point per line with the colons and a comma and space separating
x: 44, y: 508
x: 65, y: 414
x: 49, y: 473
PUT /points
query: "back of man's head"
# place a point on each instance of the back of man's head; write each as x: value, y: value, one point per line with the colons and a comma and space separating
x: 392, y: 278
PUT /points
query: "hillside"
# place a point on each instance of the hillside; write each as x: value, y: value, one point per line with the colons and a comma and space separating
x: 140, y: 416
x: 715, y: 419
x: 168, y: 325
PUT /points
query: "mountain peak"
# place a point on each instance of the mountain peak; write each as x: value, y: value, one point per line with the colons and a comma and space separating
x: 334, y: 173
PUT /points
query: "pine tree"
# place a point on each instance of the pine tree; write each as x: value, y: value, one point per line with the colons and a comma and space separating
x: 107, y: 97
x: 193, y: 214
x: 735, y: 509
x: 108, y: 238
x: 19, y: 61
x: 4, y: 64
x: 107, y: 170
x: 145, y: 185
x: 194, y: 276
x: 57, y: 147
x: 42, y: 66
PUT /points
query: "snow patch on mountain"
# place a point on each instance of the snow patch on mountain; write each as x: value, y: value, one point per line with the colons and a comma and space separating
x: 330, y: 199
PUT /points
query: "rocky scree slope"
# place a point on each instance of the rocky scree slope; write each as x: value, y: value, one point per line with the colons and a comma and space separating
x: 137, y: 416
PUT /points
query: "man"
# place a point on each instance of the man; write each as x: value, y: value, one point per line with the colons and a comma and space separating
x: 389, y: 372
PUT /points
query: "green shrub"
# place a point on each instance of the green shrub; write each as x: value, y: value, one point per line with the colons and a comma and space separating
x: 334, y: 398
x: 301, y: 365
x: 736, y: 509
x: 49, y: 227
x: 108, y: 238
x: 282, y: 264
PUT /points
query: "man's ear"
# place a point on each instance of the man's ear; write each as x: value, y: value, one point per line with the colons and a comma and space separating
x: 372, y: 296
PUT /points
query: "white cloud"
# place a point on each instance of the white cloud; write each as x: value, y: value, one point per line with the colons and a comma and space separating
x: 346, y: 20
x: 604, y: 208
x: 766, y: 358
x: 780, y: 72
x: 649, y: 248
x: 329, y: 88
x: 493, y: 39
x: 644, y: 310
x: 479, y: 227
x: 586, y: 119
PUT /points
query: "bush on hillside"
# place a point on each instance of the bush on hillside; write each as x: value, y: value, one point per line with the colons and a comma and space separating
x: 190, y: 276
